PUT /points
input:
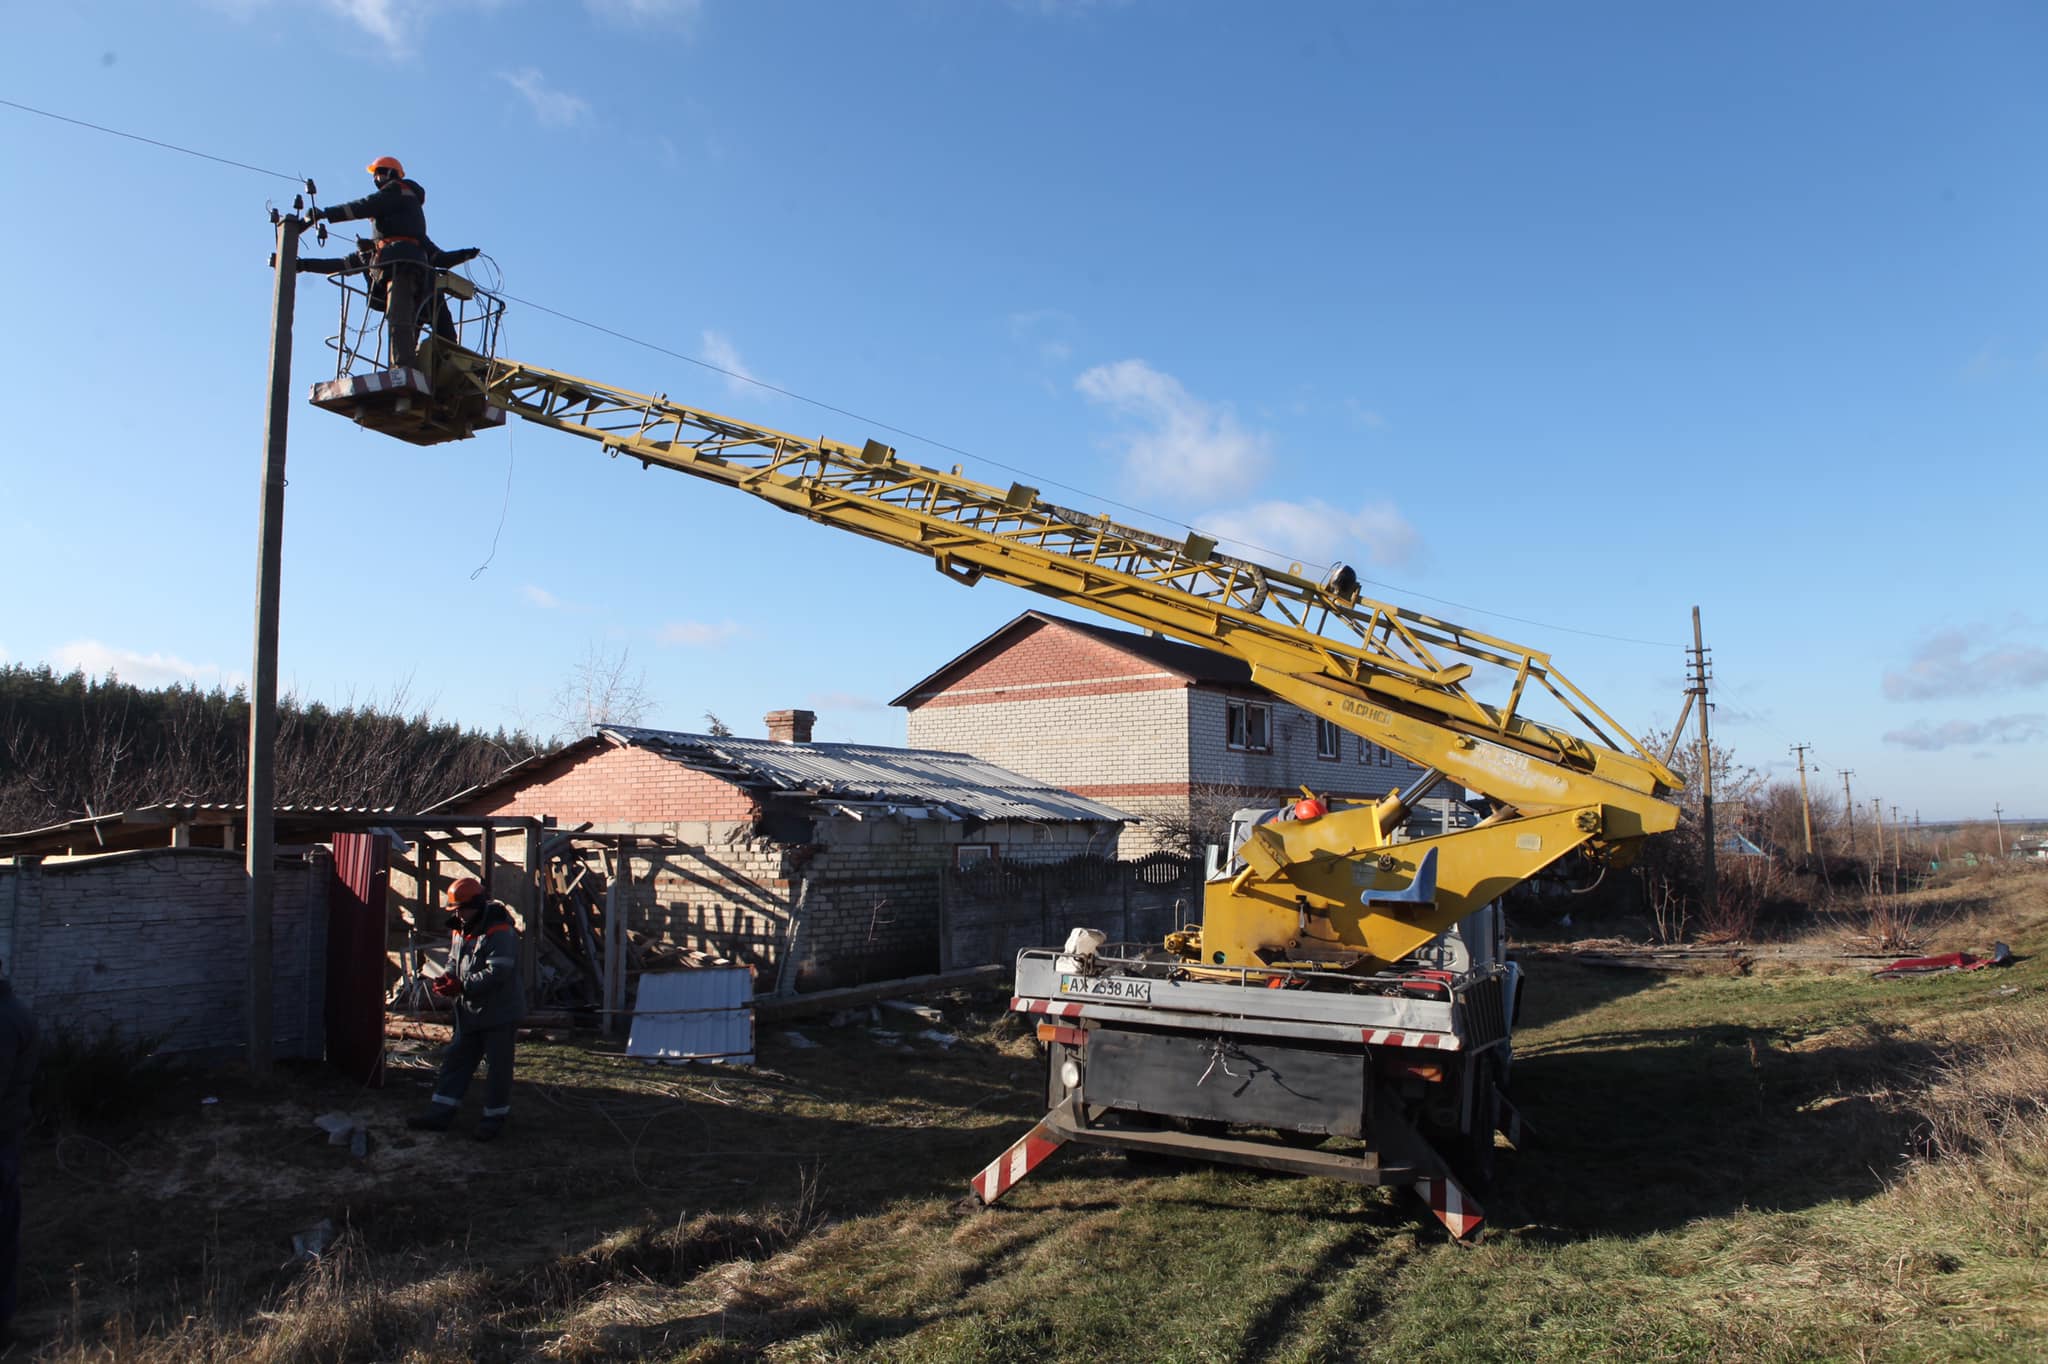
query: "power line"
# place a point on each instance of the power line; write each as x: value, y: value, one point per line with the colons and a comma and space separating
x: 137, y: 137
x: 872, y: 421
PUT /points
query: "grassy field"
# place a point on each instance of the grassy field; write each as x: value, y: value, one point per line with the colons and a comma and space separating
x: 1794, y: 1163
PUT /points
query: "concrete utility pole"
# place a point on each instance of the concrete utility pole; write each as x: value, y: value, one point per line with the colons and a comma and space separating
x: 1848, y: 806
x: 1877, y: 863
x: 1998, y: 818
x: 1709, y: 885
x: 1898, y: 847
x: 261, y: 843
x: 1805, y: 805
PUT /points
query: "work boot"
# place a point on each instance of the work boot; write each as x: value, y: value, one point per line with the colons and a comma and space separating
x: 439, y: 1118
x: 487, y: 1129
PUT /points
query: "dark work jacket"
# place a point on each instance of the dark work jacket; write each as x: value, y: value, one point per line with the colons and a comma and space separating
x: 366, y: 256
x: 19, y: 1046
x: 486, y: 961
x: 397, y: 210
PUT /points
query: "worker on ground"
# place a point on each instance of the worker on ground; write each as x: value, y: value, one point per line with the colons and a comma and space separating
x: 483, y: 982
x: 18, y: 1048
x: 397, y: 209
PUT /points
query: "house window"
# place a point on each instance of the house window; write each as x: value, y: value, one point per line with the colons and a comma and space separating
x: 973, y: 855
x: 1386, y: 757
x: 1248, y: 726
x: 1328, y: 744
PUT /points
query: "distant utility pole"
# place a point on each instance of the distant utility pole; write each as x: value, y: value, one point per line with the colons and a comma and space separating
x: 1710, y: 895
x: 1805, y: 805
x: 1998, y: 818
x: 1877, y: 863
x: 1898, y: 847
x: 261, y: 842
x: 1848, y: 806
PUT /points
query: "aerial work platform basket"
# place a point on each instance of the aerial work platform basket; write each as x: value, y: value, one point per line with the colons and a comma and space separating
x: 434, y: 400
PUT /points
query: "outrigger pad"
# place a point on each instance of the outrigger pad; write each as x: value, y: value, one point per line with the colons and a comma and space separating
x: 401, y: 403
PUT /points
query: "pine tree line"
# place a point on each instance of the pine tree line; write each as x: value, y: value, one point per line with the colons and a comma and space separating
x: 73, y: 745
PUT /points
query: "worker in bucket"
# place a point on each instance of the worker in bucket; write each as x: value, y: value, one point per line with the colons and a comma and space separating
x: 397, y: 209
x: 482, y: 981
x: 376, y: 281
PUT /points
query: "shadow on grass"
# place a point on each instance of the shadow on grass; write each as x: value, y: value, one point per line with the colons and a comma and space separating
x: 1555, y: 989
x: 1640, y: 1131
x: 194, y: 1212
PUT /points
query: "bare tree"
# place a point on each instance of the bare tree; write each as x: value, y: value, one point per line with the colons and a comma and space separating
x: 715, y: 727
x: 1207, y: 818
x: 1673, y: 867
x: 602, y: 689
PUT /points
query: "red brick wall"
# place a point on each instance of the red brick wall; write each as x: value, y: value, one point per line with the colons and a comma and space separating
x: 620, y: 784
x: 1045, y: 661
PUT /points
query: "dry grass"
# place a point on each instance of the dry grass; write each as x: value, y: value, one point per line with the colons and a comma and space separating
x: 1787, y: 1166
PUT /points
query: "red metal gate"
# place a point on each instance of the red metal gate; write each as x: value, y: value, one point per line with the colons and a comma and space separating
x: 355, y: 957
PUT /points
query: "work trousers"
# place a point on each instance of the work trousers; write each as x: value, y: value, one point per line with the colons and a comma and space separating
x: 492, y: 1046
x: 402, y: 311
x: 10, y: 1225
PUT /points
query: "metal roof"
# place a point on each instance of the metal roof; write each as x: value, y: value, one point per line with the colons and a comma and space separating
x: 147, y: 826
x: 863, y: 779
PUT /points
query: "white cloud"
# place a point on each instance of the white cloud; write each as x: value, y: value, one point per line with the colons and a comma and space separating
x: 1179, y: 444
x: 1999, y: 729
x: 146, y: 670
x: 720, y: 351
x: 1314, y: 532
x: 1973, y: 660
x: 392, y: 22
x: 397, y: 24
x: 553, y: 108
x: 541, y: 597
x: 697, y: 634
x: 675, y: 13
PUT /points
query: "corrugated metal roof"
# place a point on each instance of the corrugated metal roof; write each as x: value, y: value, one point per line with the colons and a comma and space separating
x: 864, y: 778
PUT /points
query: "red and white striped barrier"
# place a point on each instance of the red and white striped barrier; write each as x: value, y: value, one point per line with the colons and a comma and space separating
x: 1386, y: 1037
x: 1029, y: 1152
x: 1054, y: 1008
x: 1451, y: 1204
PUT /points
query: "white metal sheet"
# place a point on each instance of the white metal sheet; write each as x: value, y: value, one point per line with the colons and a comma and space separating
x: 702, y: 1014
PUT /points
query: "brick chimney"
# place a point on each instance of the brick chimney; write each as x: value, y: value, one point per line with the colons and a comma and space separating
x: 790, y: 726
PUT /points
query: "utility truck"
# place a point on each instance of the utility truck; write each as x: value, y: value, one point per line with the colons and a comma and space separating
x: 1344, y: 1007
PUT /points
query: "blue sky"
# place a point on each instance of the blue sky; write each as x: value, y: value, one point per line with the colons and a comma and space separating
x: 1556, y: 320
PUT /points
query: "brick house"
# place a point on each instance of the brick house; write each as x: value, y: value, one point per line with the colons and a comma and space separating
x: 817, y: 864
x: 1165, y: 730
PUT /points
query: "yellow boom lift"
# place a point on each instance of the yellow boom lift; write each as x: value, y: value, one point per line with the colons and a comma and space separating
x: 1320, y: 961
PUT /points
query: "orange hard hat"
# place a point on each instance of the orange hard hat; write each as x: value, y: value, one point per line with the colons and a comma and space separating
x: 465, y: 890
x: 389, y: 163
x: 1310, y: 808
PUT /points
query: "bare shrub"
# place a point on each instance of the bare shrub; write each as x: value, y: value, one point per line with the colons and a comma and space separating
x: 1207, y: 819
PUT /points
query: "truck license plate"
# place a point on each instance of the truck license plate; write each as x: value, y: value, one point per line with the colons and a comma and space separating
x: 1107, y: 987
